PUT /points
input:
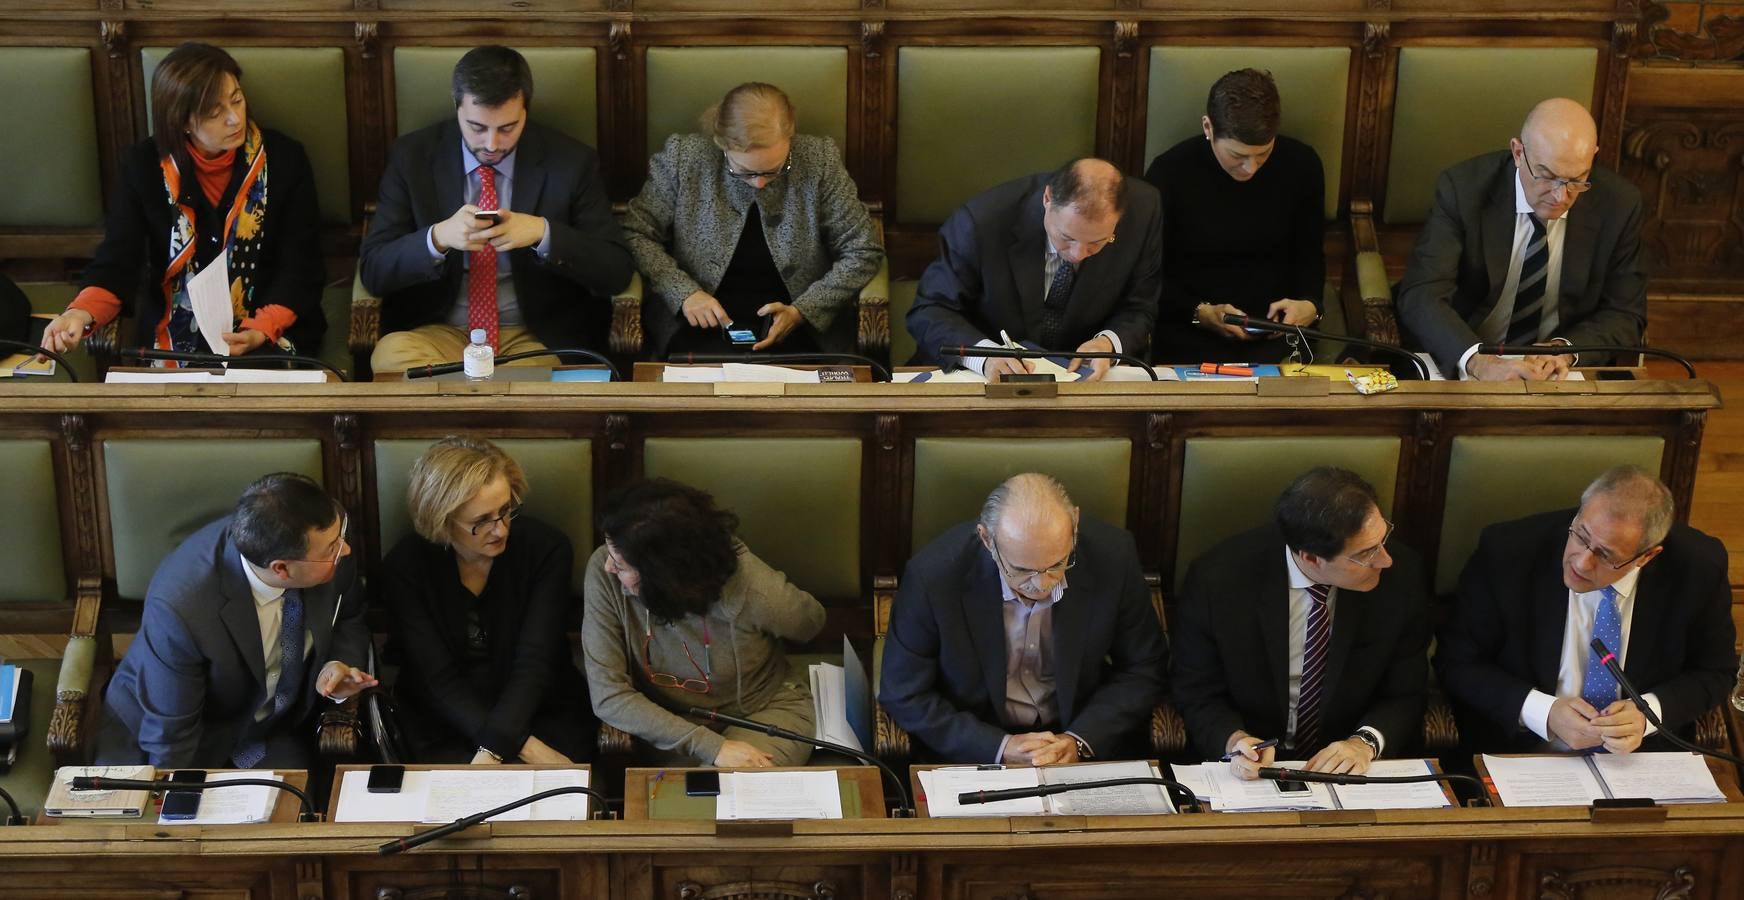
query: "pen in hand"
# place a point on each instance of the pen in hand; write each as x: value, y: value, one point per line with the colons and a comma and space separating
x: 1262, y: 745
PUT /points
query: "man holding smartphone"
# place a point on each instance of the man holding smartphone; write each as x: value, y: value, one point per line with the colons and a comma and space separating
x: 490, y: 221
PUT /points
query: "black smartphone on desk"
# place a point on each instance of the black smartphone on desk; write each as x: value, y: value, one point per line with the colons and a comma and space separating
x: 179, y: 806
x: 739, y: 337
x: 702, y: 784
x: 386, y: 779
x: 1291, y: 788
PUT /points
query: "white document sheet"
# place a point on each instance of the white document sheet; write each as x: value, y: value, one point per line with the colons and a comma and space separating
x: 564, y: 808
x: 757, y: 372
x: 942, y: 786
x: 1544, y: 780
x: 455, y: 793
x: 1196, y: 778
x: 213, y: 376
x: 1673, y: 777
x: 413, y: 802
x: 1129, y: 800
x: 1422, y: 795
x: 233, y: 806
x: 692, y: 374
x: 939, y: 376
x: 779, y: 795
x: 1134, y: 373
x: 357, y: 804
x: 830, y: 701
x: 209, y: 295
x: 1231, y: 794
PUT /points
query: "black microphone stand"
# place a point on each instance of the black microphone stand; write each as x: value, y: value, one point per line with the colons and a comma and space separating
x: 16, y: 818
x: 59, y: 360
x: 450, y: 367
x: 99, y: 783
x: 401, y: 845
x: 878, y: 370
x: 1172, y: 787
x: 1576, y: 350
x: 1309, y: 333
x: 245, y: 361
x: 905, y: 811
x: 1274, y: 773
x: 1610, y: 663
x: 961, y: 351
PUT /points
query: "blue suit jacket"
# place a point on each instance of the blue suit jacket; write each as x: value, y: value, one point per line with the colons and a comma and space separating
x: 943, y: 672
x: 187, y: 690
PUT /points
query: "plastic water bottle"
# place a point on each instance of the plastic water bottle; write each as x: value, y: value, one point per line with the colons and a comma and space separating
x: 480, y: 358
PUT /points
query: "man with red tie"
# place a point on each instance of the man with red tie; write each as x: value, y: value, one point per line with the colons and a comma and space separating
x: 489, y: 221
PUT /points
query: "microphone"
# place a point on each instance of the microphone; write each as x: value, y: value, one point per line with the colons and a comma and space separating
x: 961, y: 351
x: 16, y: 818
x: 60, y: 361
x: 450, y: 367
x: 1609, y: 660
x: 1306, y: 333
x: 1577, y: 350
x: 1171, y: 786
x: 1274, y: 773
x: 879, y: 373
x: 99, y: 783
x: 246, y: 361
x: 905, y: 811
x: 401, y: 845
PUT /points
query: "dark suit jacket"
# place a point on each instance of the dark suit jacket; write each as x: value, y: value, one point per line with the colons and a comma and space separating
x: 988, y: 275
x: 187, y: 690
x: 565, y: 299
x: 1456, y: 272
x: 943, y: 674
x: 1232, y: 648
x: 1504, y: 638
x: 526, y: 608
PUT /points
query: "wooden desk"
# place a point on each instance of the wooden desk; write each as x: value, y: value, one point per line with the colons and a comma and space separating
x: 1725, y: 776
x: 340, y: 771
x: 865, y: 782
x: 285, y: 810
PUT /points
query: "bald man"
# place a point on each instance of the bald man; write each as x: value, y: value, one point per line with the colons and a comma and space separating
x: 1532, y: 245
x: 1024, y: 638
x: 1037, y: 259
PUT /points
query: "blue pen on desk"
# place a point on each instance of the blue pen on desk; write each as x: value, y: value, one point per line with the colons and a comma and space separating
x: 654, y: 789
x: 1262, y: 745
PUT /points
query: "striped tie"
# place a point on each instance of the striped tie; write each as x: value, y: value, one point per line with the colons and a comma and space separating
x: 1308, y: 700
x: 1529, y: 298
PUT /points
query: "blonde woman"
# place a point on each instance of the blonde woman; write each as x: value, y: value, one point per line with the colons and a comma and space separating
x: 479, y: 621
x: 751, y: 225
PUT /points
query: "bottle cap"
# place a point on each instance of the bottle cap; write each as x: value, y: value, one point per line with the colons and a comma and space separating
x: 478, y: 335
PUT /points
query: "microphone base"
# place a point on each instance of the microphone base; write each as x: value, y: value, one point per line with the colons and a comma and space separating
x: 16, y: 820
x: 311, y: 817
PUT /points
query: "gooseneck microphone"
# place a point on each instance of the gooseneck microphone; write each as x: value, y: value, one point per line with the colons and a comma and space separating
x: 961, y: 350
x: 99, y: 783
x: 1274, y: 773
x: 61, y: 364
x: 245, y: 361
x: 904, y: 812
x: 879, y: 372
x: 1172, y: 787
x: 1609, y: 660
x: 401, y: 845
x: 1309, y: 333
x: 1576, y: 350
x: 450, y: 367
x: 16, y: 818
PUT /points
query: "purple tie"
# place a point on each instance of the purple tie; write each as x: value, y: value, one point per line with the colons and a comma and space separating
x: 1308, y: 701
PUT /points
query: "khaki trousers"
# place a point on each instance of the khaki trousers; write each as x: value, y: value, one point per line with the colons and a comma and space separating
x: 429, y: 345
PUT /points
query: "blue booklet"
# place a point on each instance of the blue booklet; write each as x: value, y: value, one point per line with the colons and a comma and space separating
x: 1192, y: 373
x: 8, y: 692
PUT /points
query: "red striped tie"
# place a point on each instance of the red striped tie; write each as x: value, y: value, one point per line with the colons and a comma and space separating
x: 1308, y: 700
x: 481, y: 279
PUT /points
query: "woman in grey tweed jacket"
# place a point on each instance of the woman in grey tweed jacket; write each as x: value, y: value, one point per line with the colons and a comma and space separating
x: 796, y: 278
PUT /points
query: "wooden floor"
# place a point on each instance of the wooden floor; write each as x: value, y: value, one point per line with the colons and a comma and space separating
x: 1719, y: 498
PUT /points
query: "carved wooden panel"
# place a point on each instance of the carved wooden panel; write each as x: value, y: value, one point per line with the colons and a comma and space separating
x: 1689, y: 165
x: 1318, y: 873
x: 770, y: 879
x: 466, y: 877
x: 1694, y: 872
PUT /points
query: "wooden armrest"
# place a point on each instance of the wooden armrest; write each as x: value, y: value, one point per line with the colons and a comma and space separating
x: 1711, y: 730
x: 1440, y: 729
x: 874, y: 304
x: 339, y: 737
x: 889, y: 742
x: 626, y: 337
x: 1374, y: 316
x: 1168, y: 731
x: 614, y: 742
x: 75, y: 702
x: 365, y: 317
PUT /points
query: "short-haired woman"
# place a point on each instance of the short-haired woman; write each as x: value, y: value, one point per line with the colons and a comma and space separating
x: 479, y: 621
x: 210, y: 186
x: 680, y: 613
x: 754, y: 226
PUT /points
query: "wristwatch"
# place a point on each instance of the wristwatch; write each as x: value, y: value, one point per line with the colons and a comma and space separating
x: 1084, y: 751
x: 1369, y: 739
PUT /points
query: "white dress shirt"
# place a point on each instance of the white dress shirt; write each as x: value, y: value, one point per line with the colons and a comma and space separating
x: 1299, y: 601
x: 269, y: 605
x: 1494, y: 328
x: 1577, y: 634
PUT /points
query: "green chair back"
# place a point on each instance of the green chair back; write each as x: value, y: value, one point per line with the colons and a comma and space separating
x: 559, y: 488
x: 565, y: 88
x: 1503, y: 477
x: 902, y: 346
x: 1313, y: 83
x: 161, y: 491
x: 1228, y: 485
x: 797, y: 499
x: 54, y: 126
x: 953, y: 476
x: 30, y: 531
x: 301, y: 92
x: 968, y: 118
x: 1453, y: 103
x: 684, y: 81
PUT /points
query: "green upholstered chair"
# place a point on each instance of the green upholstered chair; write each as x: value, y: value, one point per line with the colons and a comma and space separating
x: 902, y: 346
x: 559, y: 479
x: 56, y: 113
x: 953, y: 476
x: 963, y: 126
x: 29, y: 779
x: 797, y: 499
x: 1495, y: 478
x: 30, y: 532
x: 161, y: 491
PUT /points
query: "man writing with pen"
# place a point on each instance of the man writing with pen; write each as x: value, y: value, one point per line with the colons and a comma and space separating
x: 1305, y: 638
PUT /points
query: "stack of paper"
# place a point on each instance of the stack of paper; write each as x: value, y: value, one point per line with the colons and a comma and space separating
x: 942, y: 786
x: 842, y: 701
x: 236, y: 375
x: 1579, y: 780
x: 1666, y: 777
x: 63, y: 801
x: 245, y: 805
x: 444, y: 795
x: 779, y: 795
x: 1214, y: 783
x: 739, y: 372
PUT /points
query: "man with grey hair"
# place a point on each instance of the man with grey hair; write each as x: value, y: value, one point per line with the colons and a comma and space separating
x: 1516, y: 655
x: 991, y: 659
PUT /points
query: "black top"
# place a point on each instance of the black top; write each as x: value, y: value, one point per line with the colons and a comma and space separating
x: 526, y: 611
x: 751, y: 280
x: 1226, y: 241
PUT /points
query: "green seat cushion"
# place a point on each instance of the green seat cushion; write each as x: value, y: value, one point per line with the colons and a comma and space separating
x: 301, y: 92
x: 559, y: 488
x: 1312, y: 85
x: 684, y: 81
x: 32, y: 775
x: 30, y: 530
x: 968, y: 118
x: 797, y: 499
x: 1495, y: 478
x: 1453, y: 103
x: 565, y: 88
x: 53, y: 125
x: 953, y: 476
x: 902, y: 344
x: 1229, y: 485
x: 161, y: 491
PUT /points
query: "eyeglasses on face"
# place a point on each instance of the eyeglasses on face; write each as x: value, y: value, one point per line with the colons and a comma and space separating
x: 1021, y: 577
x: 1569, y: 185
x: 1599, y: 552
x: 505, y: 516
x: 1366, y: 556
x: 785, y: 167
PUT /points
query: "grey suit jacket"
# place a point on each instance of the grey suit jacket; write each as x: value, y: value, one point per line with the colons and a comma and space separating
x: 1456, y: 272
x: 187, y: 690
x: 686, y: 223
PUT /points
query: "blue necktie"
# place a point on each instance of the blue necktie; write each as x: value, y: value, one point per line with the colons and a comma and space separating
x: 1599, y: 686
x: 1053, y: 321
x: 290, y: 676
x: 1529, y: 297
